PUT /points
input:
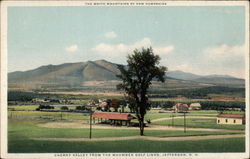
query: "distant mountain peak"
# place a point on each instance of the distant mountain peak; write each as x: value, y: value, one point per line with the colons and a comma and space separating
x: 99, y: 70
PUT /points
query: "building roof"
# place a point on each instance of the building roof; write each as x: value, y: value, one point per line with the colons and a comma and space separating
x: 103, y: 104
x: 111, y: 115
x: 231, y: 115
x: 195, y: 105
x: 181, y: 105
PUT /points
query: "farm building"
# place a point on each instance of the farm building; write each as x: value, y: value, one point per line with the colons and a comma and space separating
x: 237, y: 119
x: 104, y: 106
x: 195, y: 106
x: 114, y: 118
x: 91, y: 102
x: 38, y: 100
x: 180, y: 107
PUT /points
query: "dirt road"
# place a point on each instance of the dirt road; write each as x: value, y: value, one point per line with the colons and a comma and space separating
x: 80, y: 124
x: 181, y: 117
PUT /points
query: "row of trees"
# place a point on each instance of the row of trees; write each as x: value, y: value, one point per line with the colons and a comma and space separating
x: 205, y: 105
x: 197, y: 92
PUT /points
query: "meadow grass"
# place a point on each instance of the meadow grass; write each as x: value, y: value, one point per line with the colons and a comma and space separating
x: 33, y: 107
x: 214, y: 145
x: 23, y: 107
x: 152, y: 116
x: 21, y: 132
x: 52, y: 115
x: 30, y: 129
x: 199, y: 123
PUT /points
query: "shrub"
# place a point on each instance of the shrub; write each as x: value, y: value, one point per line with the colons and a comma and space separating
x: 81, y: 108
x: 45, y: 107
x: 64, y: 108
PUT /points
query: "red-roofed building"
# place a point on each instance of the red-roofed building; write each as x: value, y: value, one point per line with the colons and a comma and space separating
x: 237, y: 119
x: 103, y: 104
x: 180, y: 107
x: 114, y: 118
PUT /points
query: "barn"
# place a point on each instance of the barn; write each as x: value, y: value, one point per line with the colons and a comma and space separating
x: 235, y: 119
x: 180, y: 107
x: 114, y: 118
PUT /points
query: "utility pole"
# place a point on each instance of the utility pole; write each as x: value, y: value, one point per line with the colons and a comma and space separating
x: 90, y: 123
x: 184, y: 122
x: 172, y: 118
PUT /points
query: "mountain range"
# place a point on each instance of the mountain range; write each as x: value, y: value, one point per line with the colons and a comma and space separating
x: 75, y: 74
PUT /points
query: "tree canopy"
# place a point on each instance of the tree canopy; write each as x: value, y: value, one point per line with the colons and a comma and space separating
x: 142, y: 67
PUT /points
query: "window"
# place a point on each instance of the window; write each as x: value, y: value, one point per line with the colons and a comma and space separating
x: 234, y: 121
x: 218, y: 121
x: 226, y: 120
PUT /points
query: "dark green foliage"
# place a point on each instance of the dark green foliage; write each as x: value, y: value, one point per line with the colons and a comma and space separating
x: 45, y: 107
x: 198, y: 93
x: 20, y: 96
x: 81, y: 108
x: 221, y: 105
x: 142, y: 68
x: 28, y: 96
x: 162, y: 104
x: 64, y: 108
x: 205, y: 105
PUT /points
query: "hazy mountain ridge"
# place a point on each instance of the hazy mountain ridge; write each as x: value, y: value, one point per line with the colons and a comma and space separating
x: 210, y: 79
x: 75, y: 74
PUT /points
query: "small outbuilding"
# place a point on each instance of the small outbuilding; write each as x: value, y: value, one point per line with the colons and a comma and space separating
x: 114, y: 118
x: 195, y: 106
x: 234, y: 119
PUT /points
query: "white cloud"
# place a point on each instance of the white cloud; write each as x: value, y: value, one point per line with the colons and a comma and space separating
x: 72, y: 48
x: 110, y: 35
x: 163, y: 50
x: 225, y: 51
x: 117, y: 49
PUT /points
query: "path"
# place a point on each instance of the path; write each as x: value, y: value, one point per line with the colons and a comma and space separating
x: 80, y: 124
x: 181, y: 117
x: 181, y: 138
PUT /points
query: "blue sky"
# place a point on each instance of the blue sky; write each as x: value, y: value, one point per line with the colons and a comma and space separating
x: 201, y: 40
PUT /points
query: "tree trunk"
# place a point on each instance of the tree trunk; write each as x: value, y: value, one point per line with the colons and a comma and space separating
x: 141, y: 124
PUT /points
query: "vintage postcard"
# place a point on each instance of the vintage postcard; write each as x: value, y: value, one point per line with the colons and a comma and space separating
x: 124, y: 79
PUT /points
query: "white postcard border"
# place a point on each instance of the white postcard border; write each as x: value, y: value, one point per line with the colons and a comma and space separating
x: 3, y: 99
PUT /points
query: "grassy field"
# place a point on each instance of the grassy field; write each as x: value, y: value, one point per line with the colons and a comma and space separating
x: 216, y: 145
x: 23, y: 107
x: 199, y: 123
x: 33, y: 107
x: 152, y: 116
x: 21, y: 132
x: 51, y: 115
x: 29, y: 129
x: 23, y: 126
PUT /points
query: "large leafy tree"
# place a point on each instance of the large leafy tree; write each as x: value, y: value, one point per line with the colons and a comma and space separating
x: 142, y: 67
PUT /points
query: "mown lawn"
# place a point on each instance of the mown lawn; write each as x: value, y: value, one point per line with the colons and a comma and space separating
x: 199, y: 123
x: 21, y: 132
x: 216, y: 145
x: 23, y: 107
x: 33, y: 107
x: 30, y: 129
x: 152, y: 116
x: 53, y: 115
